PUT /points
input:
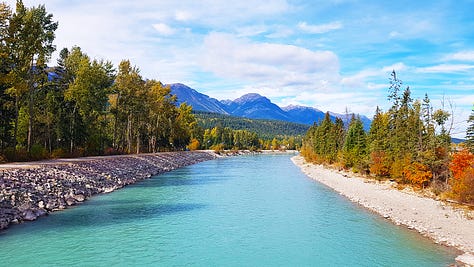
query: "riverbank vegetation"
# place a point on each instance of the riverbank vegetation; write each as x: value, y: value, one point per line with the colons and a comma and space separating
x: 409, y: 143
x: 85, y: 106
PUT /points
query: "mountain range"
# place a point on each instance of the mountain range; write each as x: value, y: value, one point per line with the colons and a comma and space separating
x: 255, y: 106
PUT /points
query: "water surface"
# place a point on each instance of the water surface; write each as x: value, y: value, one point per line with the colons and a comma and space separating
x: 241, y: 211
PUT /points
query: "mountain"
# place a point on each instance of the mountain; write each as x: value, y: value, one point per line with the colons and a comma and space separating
x: 197, y: 100
x: 305, y: 115
x: 255, y: 106
x: 346, y: 118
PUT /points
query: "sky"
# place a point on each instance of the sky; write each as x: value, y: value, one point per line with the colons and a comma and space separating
x: 334, y: 55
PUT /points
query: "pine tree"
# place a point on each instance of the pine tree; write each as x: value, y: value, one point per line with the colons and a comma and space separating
x: 355, y: 146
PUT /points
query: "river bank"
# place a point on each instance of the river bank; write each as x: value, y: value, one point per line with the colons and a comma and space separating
x: 437, y: 220
x: 31, y: 190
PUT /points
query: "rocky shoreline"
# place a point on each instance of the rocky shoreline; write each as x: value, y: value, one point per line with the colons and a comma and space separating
x: 440, y: 221
x: 30, y: 191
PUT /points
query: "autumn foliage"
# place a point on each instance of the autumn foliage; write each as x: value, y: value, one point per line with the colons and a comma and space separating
x: 409, y: 143
x: 418, y: 174
x: 460, y: 162
x: 379, y: 165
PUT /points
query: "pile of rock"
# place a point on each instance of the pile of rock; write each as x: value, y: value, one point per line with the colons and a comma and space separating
x: 26, y: 194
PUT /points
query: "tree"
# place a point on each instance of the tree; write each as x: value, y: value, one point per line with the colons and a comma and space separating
x: 30, y: 44
x: 462, y: 168
x: 378, y: 144
x: 88, y: 92
x: 470, y: 131
x: 129, y: 104
x: 355, y: 146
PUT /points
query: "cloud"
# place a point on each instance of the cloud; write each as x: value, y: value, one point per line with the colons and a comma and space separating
x: 269, y: 64
x: 182, y: 15
x: 446, y: 68
x: 163, y: 29
x: 321, y: 28
x: 363, y: 79
x: 252, y: 30
x: 461, y: 56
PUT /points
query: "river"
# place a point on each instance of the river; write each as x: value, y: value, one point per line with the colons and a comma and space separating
x: 240, y: 211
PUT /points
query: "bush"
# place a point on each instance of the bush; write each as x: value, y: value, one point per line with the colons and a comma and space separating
x: 194, y: 144
x: 218, y: 148
x: 59, y: 153
x: 418, y: 174
x: 20, y: 155
x: 38, y: 152
x: 463, y: 188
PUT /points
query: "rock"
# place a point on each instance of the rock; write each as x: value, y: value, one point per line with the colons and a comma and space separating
x: 466, y: 259
x: 79, y: 197
x: 29, y: 215
x: 26, y: 194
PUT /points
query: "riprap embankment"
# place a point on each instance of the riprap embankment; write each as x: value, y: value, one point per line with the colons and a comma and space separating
x: 28, y: 192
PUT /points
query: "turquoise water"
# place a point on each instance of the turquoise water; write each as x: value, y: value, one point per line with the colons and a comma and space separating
x: 241, y: 211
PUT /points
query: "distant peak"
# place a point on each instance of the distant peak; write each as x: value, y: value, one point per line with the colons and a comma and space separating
x: 250, y: 97
x: 295, y: 107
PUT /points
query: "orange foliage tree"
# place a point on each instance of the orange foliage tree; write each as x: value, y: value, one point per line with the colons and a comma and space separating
x: 418, y: 174
x: 463, y: 188
x: 461, y: 160
x: 462, y: 169
x: 379, y: 164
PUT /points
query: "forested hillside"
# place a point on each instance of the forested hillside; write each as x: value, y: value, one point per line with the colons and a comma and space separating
x: 267, y: 129
x: 409, y: 143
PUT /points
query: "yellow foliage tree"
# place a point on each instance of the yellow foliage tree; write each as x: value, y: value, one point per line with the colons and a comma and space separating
x: 194, y: 144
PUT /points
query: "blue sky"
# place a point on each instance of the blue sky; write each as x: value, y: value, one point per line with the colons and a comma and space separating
x: 331, y: 55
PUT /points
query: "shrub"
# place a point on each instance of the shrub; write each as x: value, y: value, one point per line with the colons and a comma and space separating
x: 463, y: 188
x: 418, y: 174
x: 460, y: 162
x: 59, y: 153
x: 38, y: 152
x: 218, y: 148
x: 194, y: 144
x: 379, y: 164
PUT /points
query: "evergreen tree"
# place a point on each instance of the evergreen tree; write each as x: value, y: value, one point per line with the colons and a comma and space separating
x: 355, y: 146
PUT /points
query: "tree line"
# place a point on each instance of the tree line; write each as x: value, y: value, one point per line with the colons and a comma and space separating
x: 409, y: 143
x: 224, y: 138
x: 266, y: 129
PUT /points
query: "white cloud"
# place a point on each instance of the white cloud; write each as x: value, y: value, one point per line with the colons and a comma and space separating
x: 321, y: 28
x: 461, y: 56
x: 269, y: 64
x: 399, y: 66
x: 280, y: 32
x: 182, y: 15
x: 251, y: 30
x: 446, y: 68
x: 362, y: 79
x: 163, y: 29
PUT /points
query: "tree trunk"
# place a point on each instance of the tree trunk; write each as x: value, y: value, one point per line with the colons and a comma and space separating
x: 30, y: 120
x: 15, y: 131
x: 138, y: 143
x: 129, y: 134
x: 71, y: 130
